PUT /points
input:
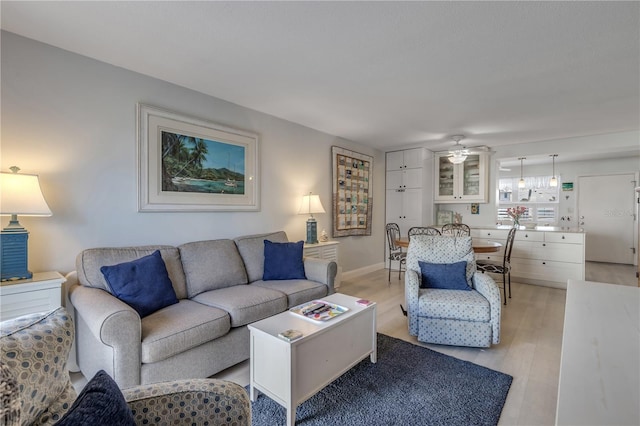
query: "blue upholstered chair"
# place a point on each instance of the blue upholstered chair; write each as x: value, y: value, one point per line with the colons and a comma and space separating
x: 451, y: 317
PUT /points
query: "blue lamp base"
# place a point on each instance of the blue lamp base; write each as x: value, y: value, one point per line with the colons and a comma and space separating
x: 312, y: 231
x: 13, y: 246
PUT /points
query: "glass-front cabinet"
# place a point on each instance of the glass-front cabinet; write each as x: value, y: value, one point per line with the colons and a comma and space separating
x: 461, y: 183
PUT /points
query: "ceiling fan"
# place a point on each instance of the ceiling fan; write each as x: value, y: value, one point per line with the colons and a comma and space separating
x: 459, y: 152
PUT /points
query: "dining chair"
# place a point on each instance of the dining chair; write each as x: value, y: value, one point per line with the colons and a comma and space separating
x: 423, y: 230
x: 500, y: 267
x: 456, y: 229
x: 395, y: 251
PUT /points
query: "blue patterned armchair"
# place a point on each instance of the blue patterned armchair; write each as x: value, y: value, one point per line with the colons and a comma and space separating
x: 451, y: 317
x: 35, y: 388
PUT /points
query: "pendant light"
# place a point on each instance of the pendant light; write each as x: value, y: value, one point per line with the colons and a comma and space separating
x: 458, y: 154
x: 521, y: 182
x: 554, y: 181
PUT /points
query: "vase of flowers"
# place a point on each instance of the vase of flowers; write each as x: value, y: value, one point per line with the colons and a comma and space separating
x: 515, y: 213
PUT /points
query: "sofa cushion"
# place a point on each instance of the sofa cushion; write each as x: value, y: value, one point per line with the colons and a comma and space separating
x: 251, y: 248
x: 245, y: 303
x: 453, y: 304
x: 35, y: 348
x: 297, y: 291
x: 179, y: 328
x: 283, y: 261
x: 210, y: 265
x: 100, y: 403
x: 447, y: 276
x: 89, y: 262
x: 143, y: 283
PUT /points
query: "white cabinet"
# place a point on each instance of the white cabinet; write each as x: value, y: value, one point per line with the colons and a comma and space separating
x: 407, y: 159
x: 466, y: 182
x: 540, y: 257
x: 405, y: 208
x: 327, y: 250
x: 404, y: 188
x: 41, y: 293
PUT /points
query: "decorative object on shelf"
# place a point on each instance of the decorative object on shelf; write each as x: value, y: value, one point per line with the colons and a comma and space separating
x: 457, y: 218
x: 516, y: 213
x: 311, y: 204
x: 521, y: 182
x: 352, y: 189
x: 554, y: 181
x: 323, y: 236
x: 444, y: 217
x: 20, y: 195
x: 220, y: 172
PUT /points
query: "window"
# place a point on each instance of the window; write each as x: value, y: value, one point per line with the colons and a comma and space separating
x: 540, y: 199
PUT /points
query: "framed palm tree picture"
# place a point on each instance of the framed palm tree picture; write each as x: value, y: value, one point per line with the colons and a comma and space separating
x: 190, y: 164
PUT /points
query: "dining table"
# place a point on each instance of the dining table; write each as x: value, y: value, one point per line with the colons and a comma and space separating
x: 478, y: 246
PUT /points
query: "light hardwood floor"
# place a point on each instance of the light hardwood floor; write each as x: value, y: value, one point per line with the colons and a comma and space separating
x: 529, y: 350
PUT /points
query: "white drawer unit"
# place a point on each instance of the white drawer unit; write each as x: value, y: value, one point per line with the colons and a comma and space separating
x: 327, y: 250
x: 41, y: 293
x: 540, y: 257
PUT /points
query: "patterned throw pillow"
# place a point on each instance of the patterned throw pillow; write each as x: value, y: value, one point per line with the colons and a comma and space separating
x: 143, y: 283
x: 446, y: 276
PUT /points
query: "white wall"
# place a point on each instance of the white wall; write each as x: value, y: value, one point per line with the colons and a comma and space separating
x: 72, y: 120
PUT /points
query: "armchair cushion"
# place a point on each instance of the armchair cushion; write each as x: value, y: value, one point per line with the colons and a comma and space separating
x: 446, y: 276
x: 143, y: 283
x: 283, y: 261
x: 100, y: 403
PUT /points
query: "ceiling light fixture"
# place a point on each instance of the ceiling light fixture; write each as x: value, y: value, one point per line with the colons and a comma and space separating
x: 460, y: 154
x: 554, y: 181
x: 521, y: 182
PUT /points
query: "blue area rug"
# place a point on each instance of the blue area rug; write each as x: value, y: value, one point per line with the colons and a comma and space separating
x: 409, y: 385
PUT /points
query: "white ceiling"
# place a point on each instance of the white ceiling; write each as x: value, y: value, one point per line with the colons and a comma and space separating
x: 386, y: 74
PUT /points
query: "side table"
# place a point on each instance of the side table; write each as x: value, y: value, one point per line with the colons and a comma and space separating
x: 42, y: 292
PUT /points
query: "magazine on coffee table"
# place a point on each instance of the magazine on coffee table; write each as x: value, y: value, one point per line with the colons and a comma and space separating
x: 319, y: 310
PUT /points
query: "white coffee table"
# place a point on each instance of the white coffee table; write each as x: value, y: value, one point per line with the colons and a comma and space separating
x: 292, y: 372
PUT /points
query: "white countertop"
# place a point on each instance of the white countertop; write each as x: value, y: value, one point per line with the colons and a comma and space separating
x: 600, y: 364
x: 537, y: 228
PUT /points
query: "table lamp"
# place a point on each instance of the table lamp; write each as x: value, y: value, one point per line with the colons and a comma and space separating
x: 311, y: 204
x: 20, y: 194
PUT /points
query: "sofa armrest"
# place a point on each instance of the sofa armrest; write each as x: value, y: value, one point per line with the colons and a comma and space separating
x: 106, y: 328
x: 412, y: 294
x: 190, y: 401
x: 487, y: 287
x: 322, y: 271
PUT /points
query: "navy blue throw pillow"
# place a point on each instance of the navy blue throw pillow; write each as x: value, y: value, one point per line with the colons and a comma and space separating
x: 283, y: 261
x: 99, y: 403
x: 448, y: 276
x: 143, y: 283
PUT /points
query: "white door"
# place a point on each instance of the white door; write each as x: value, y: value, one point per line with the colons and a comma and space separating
x: 606, y: 209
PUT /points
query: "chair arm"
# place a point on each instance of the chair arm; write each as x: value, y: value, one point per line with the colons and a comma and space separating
x: 487, y: 287
x: 116, y: 332
x: 190, y: 401
x: 412, y: 294
x: 322, y: 271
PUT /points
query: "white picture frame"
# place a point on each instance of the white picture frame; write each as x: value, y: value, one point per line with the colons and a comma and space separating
x: 188, y: 164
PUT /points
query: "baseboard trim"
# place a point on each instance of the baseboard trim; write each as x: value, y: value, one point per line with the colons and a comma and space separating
x: 362, y: 271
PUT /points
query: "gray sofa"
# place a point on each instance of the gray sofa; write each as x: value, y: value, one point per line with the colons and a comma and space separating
x: 220, y: 290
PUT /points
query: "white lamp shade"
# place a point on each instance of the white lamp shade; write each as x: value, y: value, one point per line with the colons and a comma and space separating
x: 20, y: 194
x: 311, y: 204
